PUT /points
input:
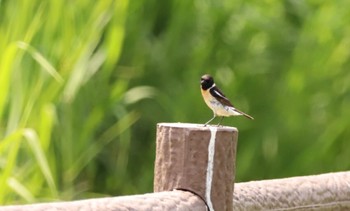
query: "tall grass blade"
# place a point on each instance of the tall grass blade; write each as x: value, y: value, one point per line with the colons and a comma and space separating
x: 21, y: 190
x: 112, y: 132
x: 41, y: 60
x: 7, y: 60
x: 34, y: 143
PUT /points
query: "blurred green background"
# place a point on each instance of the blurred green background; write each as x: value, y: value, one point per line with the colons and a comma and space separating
x: 84, y: 83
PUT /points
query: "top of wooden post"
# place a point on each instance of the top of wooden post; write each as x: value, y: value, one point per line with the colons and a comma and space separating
x: 197, y: 126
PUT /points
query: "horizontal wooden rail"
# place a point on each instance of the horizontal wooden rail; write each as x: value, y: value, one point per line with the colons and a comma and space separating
x: 169, y: 200
x: 319, y: 192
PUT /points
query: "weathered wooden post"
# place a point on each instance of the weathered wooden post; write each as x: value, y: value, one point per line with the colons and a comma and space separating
x: 197, y: 159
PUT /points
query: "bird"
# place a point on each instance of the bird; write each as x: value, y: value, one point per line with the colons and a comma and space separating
x: 217, y: 101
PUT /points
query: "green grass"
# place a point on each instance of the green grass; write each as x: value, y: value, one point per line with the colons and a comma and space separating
x: 83, y: 84
x: 61, y: 103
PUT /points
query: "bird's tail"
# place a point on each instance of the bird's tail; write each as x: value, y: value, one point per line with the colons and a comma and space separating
x: 242, y: 113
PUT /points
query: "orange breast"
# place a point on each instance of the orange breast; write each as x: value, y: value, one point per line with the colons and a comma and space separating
x: 207, y: 98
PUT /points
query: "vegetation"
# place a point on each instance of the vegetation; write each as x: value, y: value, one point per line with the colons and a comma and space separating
x: 83, y: 84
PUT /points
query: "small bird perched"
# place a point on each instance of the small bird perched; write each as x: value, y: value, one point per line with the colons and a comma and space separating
x: 217, y: 101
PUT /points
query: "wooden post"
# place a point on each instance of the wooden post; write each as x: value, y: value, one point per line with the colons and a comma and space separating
x: 197, y: 159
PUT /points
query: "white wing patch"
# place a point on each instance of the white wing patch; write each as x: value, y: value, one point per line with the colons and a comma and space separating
x: 218, y: 93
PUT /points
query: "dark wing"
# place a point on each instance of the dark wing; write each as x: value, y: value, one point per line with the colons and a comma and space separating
x: 215, y: 92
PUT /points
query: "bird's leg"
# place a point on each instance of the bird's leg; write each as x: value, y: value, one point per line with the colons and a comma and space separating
x: 220, y: 121
x: 210, y: 120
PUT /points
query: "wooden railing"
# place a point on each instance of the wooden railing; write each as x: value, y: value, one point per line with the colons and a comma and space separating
x: 195, y: 169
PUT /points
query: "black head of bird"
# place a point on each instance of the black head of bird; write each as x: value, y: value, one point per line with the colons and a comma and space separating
x: 206, y: 81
